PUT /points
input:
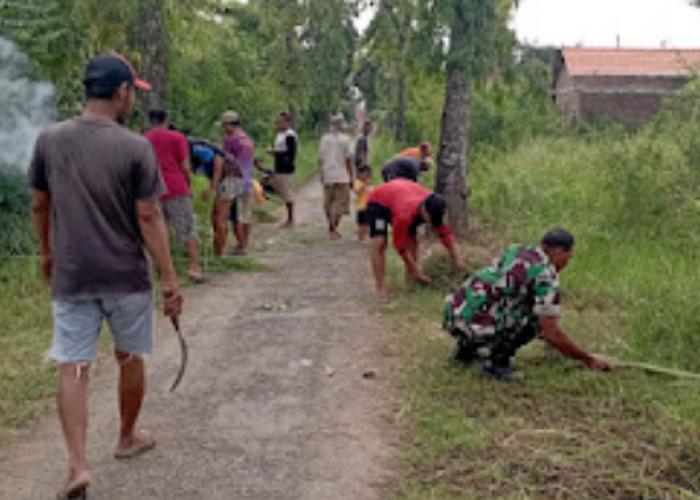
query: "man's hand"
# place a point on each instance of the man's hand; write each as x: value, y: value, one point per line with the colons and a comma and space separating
x: 271, y: 152
x: 599, y: 364
x: 172, y: 300
x: 46, y: 264
x: 207, y: 194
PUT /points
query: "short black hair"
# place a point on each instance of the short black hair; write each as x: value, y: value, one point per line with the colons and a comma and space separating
x: 99, y: 91
x: 157, y: 116
x: 287, y: 116
x: 558, y: 238
x: 436, y: 206
x: 364, y: 168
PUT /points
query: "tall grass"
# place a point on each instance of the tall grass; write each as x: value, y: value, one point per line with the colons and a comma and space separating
x: 632, y: 201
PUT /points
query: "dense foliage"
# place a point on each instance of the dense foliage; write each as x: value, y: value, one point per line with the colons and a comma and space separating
x: 258, y: 58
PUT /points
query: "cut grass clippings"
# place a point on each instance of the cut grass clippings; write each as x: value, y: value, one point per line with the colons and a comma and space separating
x: 565, y: 433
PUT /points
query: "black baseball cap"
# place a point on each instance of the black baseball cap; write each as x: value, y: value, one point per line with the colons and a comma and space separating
x: 436, y: 206
x: 110, y: 71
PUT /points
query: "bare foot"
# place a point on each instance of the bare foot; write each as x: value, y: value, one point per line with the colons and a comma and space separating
x: 335, y: 235
x: 382, y: 296
x: 287, y: 225
x: 135, y: 446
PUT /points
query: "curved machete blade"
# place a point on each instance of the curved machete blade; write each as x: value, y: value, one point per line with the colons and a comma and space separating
x: 183, y: 354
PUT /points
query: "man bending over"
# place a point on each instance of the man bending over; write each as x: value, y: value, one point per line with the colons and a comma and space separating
x: 405, y: 206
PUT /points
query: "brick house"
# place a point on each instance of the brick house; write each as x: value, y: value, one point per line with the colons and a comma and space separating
x: 627, y: 85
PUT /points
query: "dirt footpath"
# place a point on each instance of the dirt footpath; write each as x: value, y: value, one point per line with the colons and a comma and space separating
x: 287, y: 395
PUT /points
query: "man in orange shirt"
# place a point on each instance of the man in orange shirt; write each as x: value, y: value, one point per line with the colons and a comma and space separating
x: 423, y: 154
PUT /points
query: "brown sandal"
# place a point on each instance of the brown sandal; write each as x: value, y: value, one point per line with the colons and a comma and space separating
x: 136, y: 449
x: 76, y: 489
x: 196, y: 278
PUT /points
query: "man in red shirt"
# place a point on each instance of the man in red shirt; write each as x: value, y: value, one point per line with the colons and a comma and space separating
x: 173, y: 154
x: 405, y: 205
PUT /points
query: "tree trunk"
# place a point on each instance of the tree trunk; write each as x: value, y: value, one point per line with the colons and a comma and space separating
x: 289, y: 70
x: 153, y: 49
x: 400, y: 128
x: 451, y: 181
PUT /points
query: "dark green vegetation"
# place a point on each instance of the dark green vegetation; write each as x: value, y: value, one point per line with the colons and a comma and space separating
x: 204, y: 57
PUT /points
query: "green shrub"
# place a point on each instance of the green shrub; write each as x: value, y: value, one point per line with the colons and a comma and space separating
x: 632, y: 199
x: 16, y: 236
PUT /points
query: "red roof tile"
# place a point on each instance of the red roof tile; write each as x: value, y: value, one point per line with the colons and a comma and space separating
x: 631, y: 62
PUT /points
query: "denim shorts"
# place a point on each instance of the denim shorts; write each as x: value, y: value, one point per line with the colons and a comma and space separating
x: 78, y: 324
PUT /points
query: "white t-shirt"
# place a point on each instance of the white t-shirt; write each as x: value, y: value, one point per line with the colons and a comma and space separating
x: 333, y: 152
x: 281, y: 140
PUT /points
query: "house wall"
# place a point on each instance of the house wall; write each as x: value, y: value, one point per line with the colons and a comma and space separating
x: 566, y: 98
x: 633, y: 110
x: 632, y: 100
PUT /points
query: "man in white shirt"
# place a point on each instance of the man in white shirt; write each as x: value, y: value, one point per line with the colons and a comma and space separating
x: 336, y: 172
x: 285, y: 153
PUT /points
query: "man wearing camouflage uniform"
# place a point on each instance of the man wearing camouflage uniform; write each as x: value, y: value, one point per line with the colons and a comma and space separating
x: 507, y: 305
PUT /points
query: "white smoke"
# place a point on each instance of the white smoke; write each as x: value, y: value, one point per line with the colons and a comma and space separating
x: 25, y: 107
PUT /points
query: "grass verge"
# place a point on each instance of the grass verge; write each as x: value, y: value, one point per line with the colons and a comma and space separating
x: 566, y: 433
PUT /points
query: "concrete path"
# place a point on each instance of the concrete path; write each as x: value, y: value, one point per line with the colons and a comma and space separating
x: 287, y: 396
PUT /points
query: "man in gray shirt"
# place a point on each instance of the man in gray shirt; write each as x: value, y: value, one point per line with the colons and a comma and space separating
x: 95, y: 204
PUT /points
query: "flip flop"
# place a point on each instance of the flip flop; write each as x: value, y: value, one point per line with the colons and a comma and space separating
x: 197, y: 279
x: 76, y: 489
x: 137, y: 449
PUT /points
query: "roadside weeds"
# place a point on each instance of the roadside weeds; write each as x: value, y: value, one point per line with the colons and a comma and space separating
x: 565, y: 433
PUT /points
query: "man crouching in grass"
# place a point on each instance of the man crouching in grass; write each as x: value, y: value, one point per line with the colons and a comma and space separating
x: 505, y: 306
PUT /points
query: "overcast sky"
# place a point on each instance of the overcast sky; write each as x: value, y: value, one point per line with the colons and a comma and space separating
x: 639, y: 23
x: 598, y: 23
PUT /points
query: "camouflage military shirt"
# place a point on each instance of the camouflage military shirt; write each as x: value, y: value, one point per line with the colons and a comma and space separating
x: 507, y: 296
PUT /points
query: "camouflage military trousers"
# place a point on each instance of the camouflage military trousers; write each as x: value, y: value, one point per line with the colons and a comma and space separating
x: 498, y: 347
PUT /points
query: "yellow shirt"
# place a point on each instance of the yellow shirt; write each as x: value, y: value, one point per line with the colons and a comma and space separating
x: 362, y: 191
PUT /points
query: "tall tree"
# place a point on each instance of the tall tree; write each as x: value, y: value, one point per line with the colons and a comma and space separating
x: 451, y: 180
x: 152, y: 39
x: 329, y: 41
x: 60, y: 35
x: 389, y: 37
x: 282, y: 25
x: 477, y: 36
